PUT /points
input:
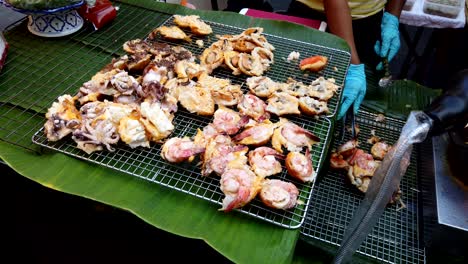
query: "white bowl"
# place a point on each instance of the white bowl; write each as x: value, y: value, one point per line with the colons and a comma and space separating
x: 57, y: 24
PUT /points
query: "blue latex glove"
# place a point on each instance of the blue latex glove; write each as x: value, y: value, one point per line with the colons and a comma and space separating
x: 390, y: 38
x: 354, y: 89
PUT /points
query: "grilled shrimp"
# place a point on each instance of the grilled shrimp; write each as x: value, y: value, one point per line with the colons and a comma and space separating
x: 226, y: 120
x: 222, y: 153
x: 292, y: 136
x: 256, y: 135
x: 254, y: 107
x: 176, y: 150
x: 279, y: 194
x: 300, y: 166
x: 263, y: 161
x: 240, y: 185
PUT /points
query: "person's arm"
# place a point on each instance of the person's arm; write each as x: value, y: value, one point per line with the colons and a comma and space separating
x: 394, y: 7
x: 340, y: 23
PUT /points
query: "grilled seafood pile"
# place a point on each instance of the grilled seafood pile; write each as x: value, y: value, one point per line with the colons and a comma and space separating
x: 126, y: 101
x: 293, y: 97
x: 135, y: 98
x: 248, y: 53
x: 244, y: 153
x: 360, y: 165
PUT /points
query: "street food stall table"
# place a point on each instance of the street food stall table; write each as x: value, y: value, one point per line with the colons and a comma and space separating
x: 38, y: 70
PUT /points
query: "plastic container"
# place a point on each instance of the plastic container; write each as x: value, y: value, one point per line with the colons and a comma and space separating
x: 446, y: 2
x: 445, y: 10
x: 408, y: 5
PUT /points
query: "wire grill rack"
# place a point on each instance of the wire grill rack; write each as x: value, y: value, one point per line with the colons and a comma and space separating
x: 281, y: 69
x: 395, y: 238
x: 38, y: 70
x: 148, y: 164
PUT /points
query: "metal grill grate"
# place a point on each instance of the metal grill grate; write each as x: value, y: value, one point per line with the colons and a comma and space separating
x: 281, y: 69
x: 395, y: 238
x: 38, y: 70
x: 148, y: 164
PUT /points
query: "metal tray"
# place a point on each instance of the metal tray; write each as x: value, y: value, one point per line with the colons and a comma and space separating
x: 395, y: 238
x: 147, y: 163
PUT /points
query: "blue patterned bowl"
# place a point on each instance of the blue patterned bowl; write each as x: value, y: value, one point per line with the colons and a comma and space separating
x: 57, y: 22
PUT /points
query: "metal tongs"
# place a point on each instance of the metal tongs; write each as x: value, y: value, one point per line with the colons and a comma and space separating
x: 386, y: 80
x: 348, y: 116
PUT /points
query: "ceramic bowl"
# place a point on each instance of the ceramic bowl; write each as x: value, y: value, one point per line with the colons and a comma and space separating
x: 57, y: 22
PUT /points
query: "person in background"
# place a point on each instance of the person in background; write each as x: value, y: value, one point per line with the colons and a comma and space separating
x: 370, y: 27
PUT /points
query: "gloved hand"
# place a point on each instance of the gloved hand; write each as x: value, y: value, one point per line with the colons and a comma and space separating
x: 390, y: 38
x: 354, y: 89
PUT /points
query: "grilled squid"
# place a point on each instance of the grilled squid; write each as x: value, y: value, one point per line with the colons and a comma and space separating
x: 62, y: 118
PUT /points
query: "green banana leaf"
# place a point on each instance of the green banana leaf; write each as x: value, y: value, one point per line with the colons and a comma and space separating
x: 240, y: 238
